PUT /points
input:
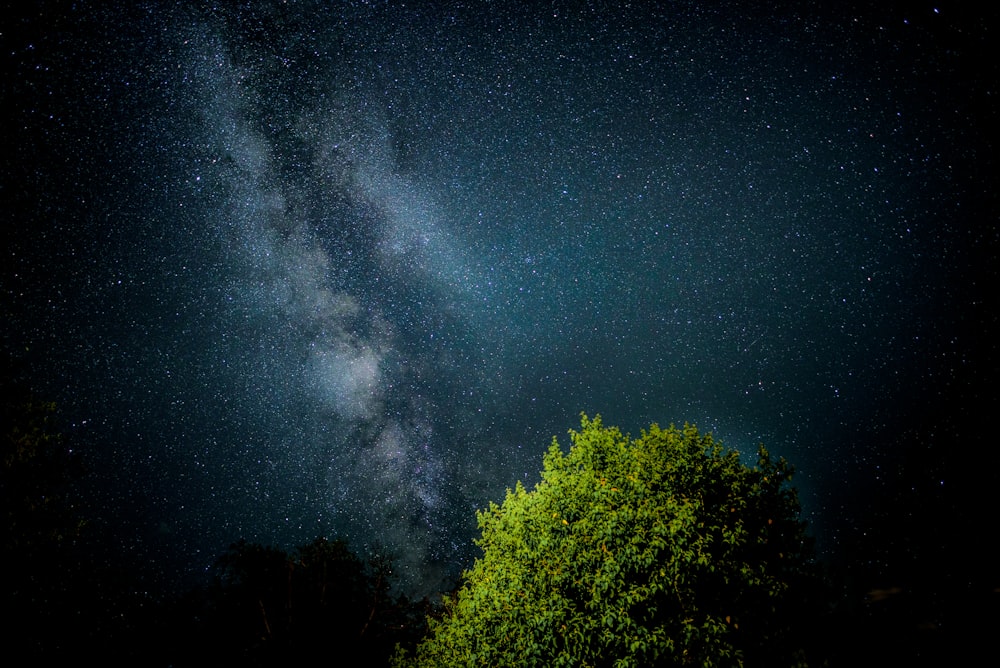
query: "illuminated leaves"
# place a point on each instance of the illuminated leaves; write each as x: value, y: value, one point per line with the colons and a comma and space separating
x: 629, y: 552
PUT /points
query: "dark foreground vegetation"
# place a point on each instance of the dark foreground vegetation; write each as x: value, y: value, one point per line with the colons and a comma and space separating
x: 663, y: 550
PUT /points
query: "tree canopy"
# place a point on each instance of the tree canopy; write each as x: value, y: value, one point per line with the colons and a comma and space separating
x: 36, y: 468
x: 270, y: 607
x: 660, y: 550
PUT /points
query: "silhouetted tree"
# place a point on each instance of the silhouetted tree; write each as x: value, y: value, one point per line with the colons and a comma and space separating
x: 39, y: 526
x: 268, y: 607
x: 35, y: 472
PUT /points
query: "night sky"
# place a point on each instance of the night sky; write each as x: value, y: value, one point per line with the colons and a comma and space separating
x: 306, y: 268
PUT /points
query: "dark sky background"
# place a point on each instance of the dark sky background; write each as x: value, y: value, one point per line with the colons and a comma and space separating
x: 307, y: 268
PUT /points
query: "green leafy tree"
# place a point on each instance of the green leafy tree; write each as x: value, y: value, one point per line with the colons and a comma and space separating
x: 656, y: 551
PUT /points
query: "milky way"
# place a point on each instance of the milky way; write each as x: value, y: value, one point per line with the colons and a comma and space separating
x: 346, y: 269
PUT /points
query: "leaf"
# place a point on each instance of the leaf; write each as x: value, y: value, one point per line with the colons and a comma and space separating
x: 643, y: 580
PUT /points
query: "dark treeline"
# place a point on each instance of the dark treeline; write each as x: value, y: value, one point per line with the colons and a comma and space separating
x: 263, y: 606
x: 69, y: 597
x: 269, y: 607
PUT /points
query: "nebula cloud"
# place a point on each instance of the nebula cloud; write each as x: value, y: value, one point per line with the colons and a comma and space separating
x: 388, y: 473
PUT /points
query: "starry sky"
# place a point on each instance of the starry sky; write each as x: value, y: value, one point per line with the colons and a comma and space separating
x: 345, y: 268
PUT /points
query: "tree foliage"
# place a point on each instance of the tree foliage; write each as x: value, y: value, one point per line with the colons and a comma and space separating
x: 660, y: 550
x: 36, y: 468
x: 39, y: 525
x: 269, y: 607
